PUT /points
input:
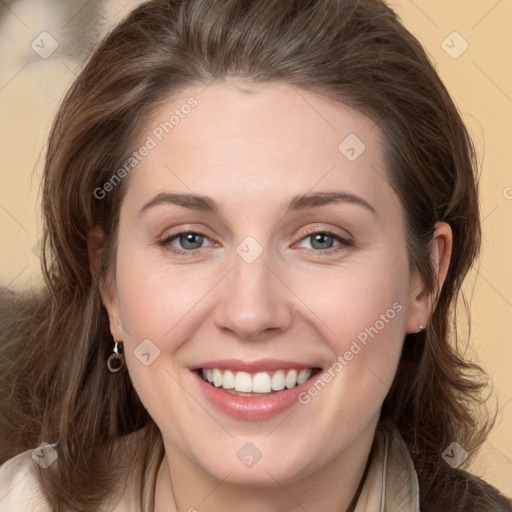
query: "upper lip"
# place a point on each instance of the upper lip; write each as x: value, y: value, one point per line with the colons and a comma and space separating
x: 260, y: 365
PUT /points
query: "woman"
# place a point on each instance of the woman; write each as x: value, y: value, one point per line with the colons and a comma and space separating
x: 258, y: 219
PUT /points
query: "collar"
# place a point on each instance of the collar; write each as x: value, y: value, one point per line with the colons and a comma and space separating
x: 391, y: 484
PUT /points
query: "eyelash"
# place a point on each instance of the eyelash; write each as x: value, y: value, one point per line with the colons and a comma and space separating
x: 343, y: 242
x: 166, y: 243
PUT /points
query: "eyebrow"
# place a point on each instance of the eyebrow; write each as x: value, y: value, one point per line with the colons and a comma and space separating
x: 192, y: 201
x: 296, y: 203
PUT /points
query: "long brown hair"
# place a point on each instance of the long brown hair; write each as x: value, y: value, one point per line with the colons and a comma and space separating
x: 55, y: 384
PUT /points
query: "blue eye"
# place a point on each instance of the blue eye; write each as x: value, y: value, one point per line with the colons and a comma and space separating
x: 189, y: 241
x: 323, y: 241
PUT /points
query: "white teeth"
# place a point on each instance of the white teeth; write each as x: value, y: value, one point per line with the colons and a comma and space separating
x: 278, y: 380
x: 217, y: 378
x: 303, y: 376
x: 228, y: 381
x: 291, y: 379
x: 243, y: 382
x: 261, y: 382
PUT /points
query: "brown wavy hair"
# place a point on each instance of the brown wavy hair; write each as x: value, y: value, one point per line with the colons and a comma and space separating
x: 55, y: 386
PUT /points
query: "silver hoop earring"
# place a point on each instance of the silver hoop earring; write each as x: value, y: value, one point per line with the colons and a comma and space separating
x: 116, y: 361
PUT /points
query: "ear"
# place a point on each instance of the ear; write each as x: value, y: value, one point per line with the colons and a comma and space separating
x: 421, y: 299
x: 107, y: 287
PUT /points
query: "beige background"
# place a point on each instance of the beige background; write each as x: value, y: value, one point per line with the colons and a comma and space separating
x: 479, y: 79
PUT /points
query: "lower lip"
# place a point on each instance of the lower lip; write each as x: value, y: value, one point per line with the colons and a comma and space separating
x: 252, y: 408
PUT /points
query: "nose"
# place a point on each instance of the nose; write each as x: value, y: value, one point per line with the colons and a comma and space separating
x: 255, y: 303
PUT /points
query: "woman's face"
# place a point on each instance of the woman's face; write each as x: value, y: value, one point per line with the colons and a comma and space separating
x: 260, y: 240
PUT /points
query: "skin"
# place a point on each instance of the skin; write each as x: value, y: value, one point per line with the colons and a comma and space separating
x: 251, y: 149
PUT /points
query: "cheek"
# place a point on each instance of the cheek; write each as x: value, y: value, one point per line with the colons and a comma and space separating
x: 159, y: 306
x: 155, y: 306
x: 350, y: 302
x: 155, y: 299
x: 362, y: 315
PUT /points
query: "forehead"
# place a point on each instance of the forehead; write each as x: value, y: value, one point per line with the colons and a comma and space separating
x: 240, y: 141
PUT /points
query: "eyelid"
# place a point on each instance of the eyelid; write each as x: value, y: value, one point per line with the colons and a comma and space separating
x: 324, y: 230
x: 344, y: 242
x: 165, y: 242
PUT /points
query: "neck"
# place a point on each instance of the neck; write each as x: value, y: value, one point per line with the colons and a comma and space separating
x: 184, y: 487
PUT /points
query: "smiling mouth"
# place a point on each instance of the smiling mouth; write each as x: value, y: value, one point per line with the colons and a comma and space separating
x: 258, y: 383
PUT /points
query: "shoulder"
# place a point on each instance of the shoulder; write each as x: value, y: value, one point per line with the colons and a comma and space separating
x: 19, y: 487
x: 20, y: 490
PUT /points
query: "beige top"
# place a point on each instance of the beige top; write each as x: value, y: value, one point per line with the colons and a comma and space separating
x: 391, y: 484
